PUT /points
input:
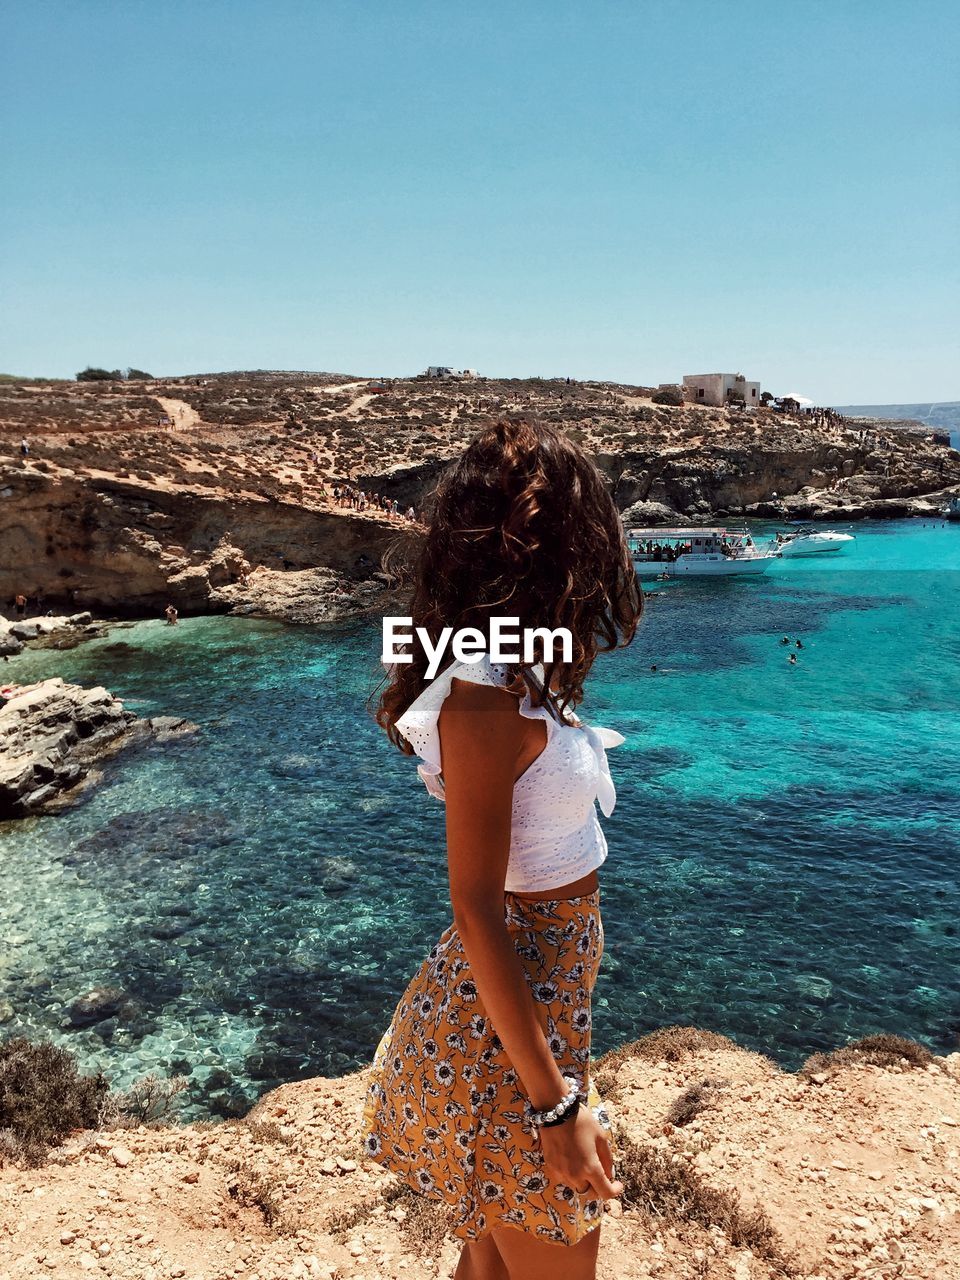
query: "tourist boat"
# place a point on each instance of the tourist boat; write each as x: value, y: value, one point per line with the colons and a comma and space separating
x: 812, y: 542
x: 710, y: 552
x: 952, y: 509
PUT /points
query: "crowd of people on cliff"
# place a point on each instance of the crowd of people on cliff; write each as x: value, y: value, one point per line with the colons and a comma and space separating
x: 815, y: 413
x: 356, y: 499
x: 826, y: 417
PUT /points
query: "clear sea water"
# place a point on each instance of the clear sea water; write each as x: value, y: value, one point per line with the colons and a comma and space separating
x: 784, y: 852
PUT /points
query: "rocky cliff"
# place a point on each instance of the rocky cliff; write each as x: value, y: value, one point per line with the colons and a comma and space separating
x: 184, y: 490
x: 130, y: 545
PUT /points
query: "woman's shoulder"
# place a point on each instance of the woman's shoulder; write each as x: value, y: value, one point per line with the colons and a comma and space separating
x: 482, y: 671
x: 419, y: 724
x: 425, y: 708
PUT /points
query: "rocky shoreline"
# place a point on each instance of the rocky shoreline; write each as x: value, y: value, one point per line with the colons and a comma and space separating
x: 48, y: 631
x: 55, y: 739
x: 733, y: 1169
x: 306, y: 596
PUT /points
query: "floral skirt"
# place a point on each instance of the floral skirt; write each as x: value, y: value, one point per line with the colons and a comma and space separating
x: 444, y: 1107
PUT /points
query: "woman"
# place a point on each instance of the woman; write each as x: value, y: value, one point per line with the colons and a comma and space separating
x: 480, y: 1093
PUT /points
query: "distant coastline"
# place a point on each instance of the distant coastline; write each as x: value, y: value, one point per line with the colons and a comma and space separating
x: 930, y: 415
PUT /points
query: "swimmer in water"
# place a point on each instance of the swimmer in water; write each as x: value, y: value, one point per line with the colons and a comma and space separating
x: 799, y: 644
x: 785, y: 640
x: 792, y: 659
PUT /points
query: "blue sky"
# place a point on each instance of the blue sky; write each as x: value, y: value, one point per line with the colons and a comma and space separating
x: 629, y: 190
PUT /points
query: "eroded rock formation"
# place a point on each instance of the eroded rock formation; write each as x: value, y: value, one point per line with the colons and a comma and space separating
x: 54, y: 735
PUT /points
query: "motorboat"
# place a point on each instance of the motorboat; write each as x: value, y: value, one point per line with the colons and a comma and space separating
x: 812, y: 542
x: 663, y: 553
x: 952, y: 509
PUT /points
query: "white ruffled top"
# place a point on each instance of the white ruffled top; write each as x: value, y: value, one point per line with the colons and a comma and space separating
x: 555, y: 835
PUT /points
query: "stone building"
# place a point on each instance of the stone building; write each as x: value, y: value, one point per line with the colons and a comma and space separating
x: 720, y: 389
x: 446, y: 371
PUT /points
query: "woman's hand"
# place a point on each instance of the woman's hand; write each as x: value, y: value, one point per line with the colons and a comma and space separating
x: 577, y: 1153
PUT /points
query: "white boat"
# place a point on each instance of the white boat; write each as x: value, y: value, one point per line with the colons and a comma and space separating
x: 952, y: 509
x: 812, y: 542
x: 709, y: 552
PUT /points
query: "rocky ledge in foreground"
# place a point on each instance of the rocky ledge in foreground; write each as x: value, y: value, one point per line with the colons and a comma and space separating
x: 53, y: 735
x: 733, y: 1170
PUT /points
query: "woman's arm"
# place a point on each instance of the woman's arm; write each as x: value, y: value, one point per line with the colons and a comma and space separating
x: 482, y: 737
x: 481, y: 733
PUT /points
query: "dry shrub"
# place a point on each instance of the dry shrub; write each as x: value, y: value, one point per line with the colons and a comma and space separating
x: 671, y: 1191
x: 424, y: 1228
x: 427, y: 1224
x: 148, y: 1101
x: 268, y: 1131
x: 343, y: 1221
x: 43, y: 1098
x: 882, y: 1050
x: 666, y: 1044
x: 693, y: 1101
x: 261, y: 1191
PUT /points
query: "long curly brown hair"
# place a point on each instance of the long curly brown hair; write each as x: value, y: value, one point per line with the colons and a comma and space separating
x: 522, y: 525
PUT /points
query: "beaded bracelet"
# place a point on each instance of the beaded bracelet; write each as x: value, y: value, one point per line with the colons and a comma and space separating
x: 567, y: 1106
x: 564, y: 1117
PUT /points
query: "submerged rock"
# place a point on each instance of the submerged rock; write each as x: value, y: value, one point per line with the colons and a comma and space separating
x: 95, y: 1006
x: 141, y: 836
x: 53, y: 734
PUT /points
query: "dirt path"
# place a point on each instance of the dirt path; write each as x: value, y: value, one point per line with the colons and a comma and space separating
x: 179, y: 412
x: 336, y: 388
x: 634, y: 402
x: 357, y: 406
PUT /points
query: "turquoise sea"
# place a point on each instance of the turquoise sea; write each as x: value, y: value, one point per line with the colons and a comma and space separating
x: 784, y: 853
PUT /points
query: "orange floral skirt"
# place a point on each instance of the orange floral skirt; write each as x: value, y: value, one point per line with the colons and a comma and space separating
x: 445, y: 1109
